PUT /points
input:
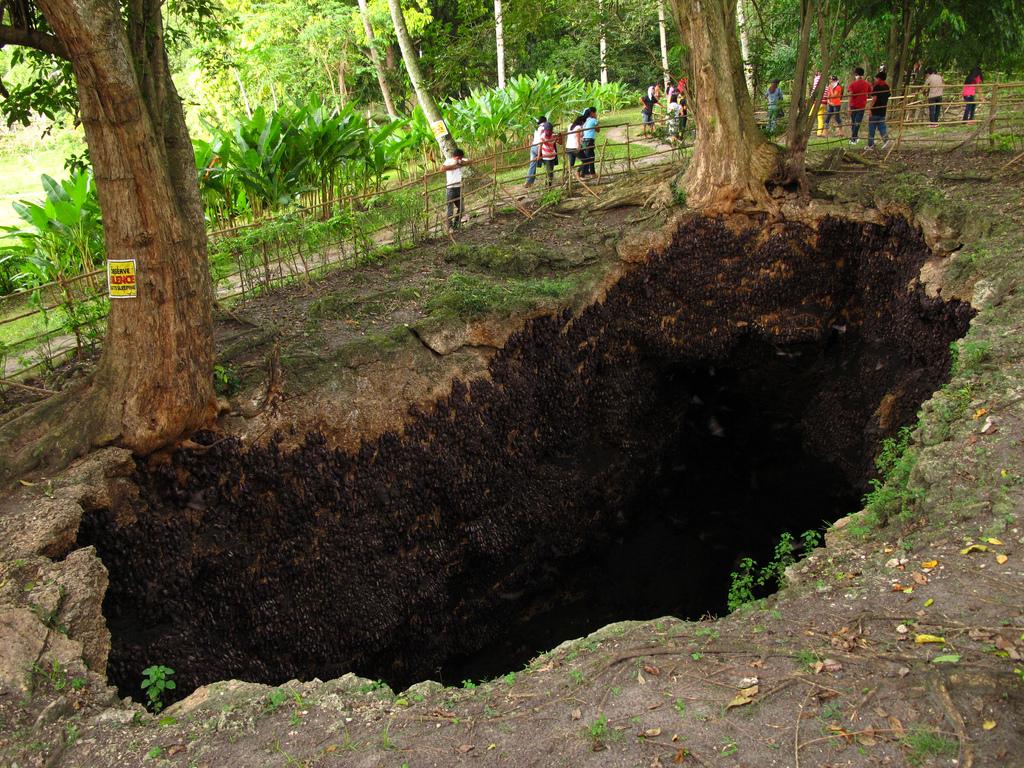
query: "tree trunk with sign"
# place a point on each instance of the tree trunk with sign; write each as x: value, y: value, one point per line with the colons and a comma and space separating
x: 154, y: 382
x: 412, y: 66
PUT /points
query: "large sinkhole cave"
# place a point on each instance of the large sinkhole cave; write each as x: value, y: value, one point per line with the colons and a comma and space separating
x: 615, y: 465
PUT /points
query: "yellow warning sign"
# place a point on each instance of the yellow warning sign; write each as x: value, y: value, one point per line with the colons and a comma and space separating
x: 121, y: 279
x: 439, y: 128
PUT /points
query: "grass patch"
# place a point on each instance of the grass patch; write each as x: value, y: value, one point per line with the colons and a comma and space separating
x: 922, y: 744
x: 465, y: 296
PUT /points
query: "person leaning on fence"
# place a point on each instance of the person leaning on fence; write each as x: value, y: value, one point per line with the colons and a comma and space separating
x: 590, y: 129
x: 453, y: 182
x: 936, y: 86
x: 538, y: 134
x: 549, y: 151
x: 574, y: 142
x: 970, y: 94
x: 879, y: 106
x: 834, y: 94
x: 858, y: 90
x: 774, y: 96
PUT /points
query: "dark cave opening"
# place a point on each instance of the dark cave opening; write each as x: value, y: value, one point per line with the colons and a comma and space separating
x: 616, y: 465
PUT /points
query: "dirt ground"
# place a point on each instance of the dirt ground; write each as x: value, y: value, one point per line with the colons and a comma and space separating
x: 895, y: 645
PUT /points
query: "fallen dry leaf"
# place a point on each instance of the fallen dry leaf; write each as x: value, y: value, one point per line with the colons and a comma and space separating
x: 994, y: 541
x: 743, y: 698
x: 175, y: 749
x: 973, y: 548
x: 650, y: 669
x: 988, y: 725
x: 576, y: 714
x: 680, y: 756
x: 896, y: 725
x: 929, y: 602
x: 464, y: 748
x: 650, y: 733
x: 746, y: 682
x: 929, y: 639
x: 979, y: 413
x: 919, y: 578
x: 1001, y: 559
x: 929, y: 564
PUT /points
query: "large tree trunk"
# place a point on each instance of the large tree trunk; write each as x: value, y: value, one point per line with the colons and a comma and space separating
x: 154, y: 381
x: 732, y: 159
x: 412, y: 66
x: 389, y: 105
x: 803, y: 106
x: 499, y: 38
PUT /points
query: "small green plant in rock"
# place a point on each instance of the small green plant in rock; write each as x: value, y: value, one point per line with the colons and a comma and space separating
x: 968, y: 356
x: 70, y: 734
x: 680, y: 707
x: 156, y: 680
x: 576, y: 675
x: 275, y: 699
x: 154, y: 753
x: 750, y: 577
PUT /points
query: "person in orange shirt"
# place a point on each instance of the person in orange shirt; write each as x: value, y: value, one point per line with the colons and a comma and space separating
x: 834, y: 95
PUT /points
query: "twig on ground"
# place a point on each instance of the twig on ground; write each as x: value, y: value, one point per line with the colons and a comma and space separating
x: 954, y: 716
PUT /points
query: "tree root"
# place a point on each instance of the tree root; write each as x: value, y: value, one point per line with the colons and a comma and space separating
x: 51, y: 433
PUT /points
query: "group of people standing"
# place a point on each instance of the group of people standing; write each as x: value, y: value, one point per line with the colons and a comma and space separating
x: 675, y: 110
x: 579, y: 139
x: 858, y: 93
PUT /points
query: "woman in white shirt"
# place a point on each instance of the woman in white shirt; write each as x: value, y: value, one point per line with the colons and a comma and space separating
x: 574, y: 141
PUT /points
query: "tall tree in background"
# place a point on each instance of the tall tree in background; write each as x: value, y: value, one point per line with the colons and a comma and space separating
x: 663, y: 38
x: 748, y: 68
x: 603, y: 45
x: 732, y: 159
x: 378, y: 68
x: 154, y: 381
x: 499, y: 39
x: 412, y: 66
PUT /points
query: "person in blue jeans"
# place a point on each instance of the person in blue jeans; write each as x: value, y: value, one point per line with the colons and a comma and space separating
x: 774, y: 97
x: 590, y: 129
x: 879, y: 106
x: 538, y: 135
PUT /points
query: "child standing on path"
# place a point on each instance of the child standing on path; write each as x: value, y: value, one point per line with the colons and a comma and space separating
x: 453, y: 182
x: 879, y: 107
x: 834, y: 94
x: 549, y: 151
x: 970, y: 90
x: 858, y: 90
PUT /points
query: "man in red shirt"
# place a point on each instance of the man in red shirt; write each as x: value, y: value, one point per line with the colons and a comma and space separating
x: 858, y: 89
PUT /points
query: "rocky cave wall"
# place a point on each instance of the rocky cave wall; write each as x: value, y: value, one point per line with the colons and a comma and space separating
x: 428, y: 545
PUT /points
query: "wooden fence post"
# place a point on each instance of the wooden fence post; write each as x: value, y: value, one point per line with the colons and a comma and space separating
x: 629, y: 159
x: 992, y: 108
x: 426, y: 200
